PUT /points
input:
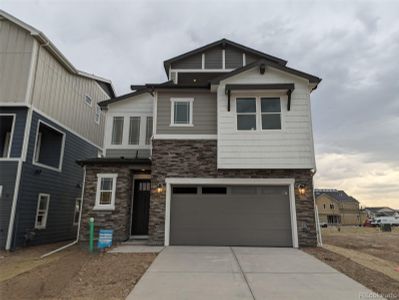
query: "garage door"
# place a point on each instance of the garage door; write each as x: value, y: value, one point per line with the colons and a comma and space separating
x: 230, y: 215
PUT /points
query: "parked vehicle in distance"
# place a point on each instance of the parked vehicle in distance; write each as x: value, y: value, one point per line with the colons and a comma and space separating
x: 391, y: 220
x: 323, y: 225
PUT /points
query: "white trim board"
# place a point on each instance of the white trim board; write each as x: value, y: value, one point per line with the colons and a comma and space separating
x: 185, y: 137
x: 14, y: 120
x: 232, y: 181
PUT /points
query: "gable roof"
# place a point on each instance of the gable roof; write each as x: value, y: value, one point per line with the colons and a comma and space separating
x: 338, y: 195
x: 223, y: 42
x: 311, y: 78
x: 45, y: 41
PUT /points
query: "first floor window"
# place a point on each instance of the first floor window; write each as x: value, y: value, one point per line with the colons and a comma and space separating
x: 42, y: 211
x: 148, y: 131
x: 6, y: 126
x: 271, y: 113
x: 246, y: 113
x: 134, y: 131
x: 78, y: 203
x: 106, y: 187
x: 182, y: 112
x: 117, y: 131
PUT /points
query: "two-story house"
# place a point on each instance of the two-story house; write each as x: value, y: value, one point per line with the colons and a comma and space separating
x: 335, y: 207
x: 220, y: 154
x: 49, y: 118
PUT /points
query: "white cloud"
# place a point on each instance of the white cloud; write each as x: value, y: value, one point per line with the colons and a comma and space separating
x: 371, y: 182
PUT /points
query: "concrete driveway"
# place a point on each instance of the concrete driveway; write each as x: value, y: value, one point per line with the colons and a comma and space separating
x: 243, y: 273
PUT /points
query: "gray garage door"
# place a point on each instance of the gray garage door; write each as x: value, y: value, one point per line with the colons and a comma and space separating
x: 230, y: 215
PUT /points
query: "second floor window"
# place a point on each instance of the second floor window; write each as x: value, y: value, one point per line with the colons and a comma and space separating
x: 246, y: 113
x: 134, y: 131
x: 6, y: 128
x: 148, y: 132
x: 271, y: 113
x: 117, y: 131
x: 182, y: 111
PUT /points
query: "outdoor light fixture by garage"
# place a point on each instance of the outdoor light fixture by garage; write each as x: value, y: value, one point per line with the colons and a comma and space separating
x: 160, y: 188
x: 301, y: 189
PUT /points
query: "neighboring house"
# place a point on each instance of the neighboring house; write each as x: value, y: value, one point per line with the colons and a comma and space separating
x: 49, y: 118
x: 373, y: 212
x: 335, y: 207
x: 221, y: 154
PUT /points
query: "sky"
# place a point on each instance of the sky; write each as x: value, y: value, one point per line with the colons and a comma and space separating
x: 352, y: 45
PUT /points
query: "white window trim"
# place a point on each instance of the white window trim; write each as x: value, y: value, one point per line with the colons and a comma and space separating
x: 259, y: 113
x: 172, y: 111
x: 74, y: 212
x: 111, y: 206
x: 91, y: 102
x: 43, y: 226
x: 36, y: 163
x: 14, y: 117
x: 290, y: 182
x: 247, y: 114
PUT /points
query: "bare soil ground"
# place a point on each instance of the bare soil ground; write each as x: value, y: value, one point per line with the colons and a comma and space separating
x: 70, y: 274
x: 367, y: 255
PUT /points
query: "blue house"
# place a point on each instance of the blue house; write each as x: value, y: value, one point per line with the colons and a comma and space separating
x: 49, y: 119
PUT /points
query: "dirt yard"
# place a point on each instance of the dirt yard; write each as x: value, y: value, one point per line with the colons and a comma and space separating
x: 70, y: 274
x: 367, y: 255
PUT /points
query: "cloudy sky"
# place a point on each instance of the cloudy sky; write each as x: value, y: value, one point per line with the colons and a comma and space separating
x: 353, y: 46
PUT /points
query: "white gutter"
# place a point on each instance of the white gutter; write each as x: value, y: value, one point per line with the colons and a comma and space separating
x: 79, y: 223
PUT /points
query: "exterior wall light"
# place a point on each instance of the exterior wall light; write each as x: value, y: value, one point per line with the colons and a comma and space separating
x: 160, y: 188
x: 301, y: 189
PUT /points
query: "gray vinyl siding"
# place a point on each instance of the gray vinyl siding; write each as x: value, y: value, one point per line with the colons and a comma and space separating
x: 204, y: 113
x: 214, y: 59
x: 64, y: 187
x: 7, y: 180
x: 16, y: 47
x: 19, y: 129
x: 60, y: 95
x: 128, y: 153
x: 191, y: 62
x: 233, y: 58
x: 250, y: 58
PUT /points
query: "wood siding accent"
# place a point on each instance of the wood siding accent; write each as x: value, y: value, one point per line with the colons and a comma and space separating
x: 233, y: 58
x: 292, y: 147
x: 213, y: 58
x: 60, y: 95
x: 16, y: 46
x: 204, y: 113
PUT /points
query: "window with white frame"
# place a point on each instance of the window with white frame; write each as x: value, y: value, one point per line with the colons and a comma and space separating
x: 246, y: 113
x: 271, y: 113
x: 134, y: 130
x: 42, y: 211
x: 148, y: 130
x: 182, y: 111
x: 117, y: 131
x: 78, y: 203
x: 49, y: 147
x: 98, y: 114
x: 6, y: 133
x: 88, y: 100
x: 106, y: 187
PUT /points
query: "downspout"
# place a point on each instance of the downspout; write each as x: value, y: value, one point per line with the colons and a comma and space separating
x: 79, y: 223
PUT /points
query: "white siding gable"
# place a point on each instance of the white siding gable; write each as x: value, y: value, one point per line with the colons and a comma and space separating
x: 138, y: 106
x: 291, y: 147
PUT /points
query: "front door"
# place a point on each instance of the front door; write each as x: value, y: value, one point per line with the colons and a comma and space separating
x: 141, y: 206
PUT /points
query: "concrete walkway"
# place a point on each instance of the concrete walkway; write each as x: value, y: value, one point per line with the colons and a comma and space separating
x: 243, y: 273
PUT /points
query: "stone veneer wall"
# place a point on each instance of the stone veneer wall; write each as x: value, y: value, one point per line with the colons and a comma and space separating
x: 118, y: 219
x: 198, y: 158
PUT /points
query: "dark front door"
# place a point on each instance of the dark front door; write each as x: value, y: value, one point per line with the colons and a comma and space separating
x: 141, y: 207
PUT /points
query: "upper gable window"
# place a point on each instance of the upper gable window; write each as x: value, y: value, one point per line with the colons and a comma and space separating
x: 181, y: 111
x: 271, y: 113
x: 246, y: 113
x: 88, y: 100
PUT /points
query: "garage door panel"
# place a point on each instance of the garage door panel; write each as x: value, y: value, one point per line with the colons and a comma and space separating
x: 259, y: 219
